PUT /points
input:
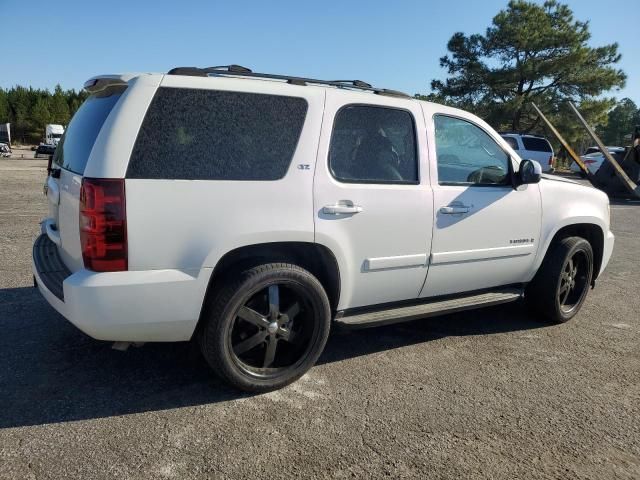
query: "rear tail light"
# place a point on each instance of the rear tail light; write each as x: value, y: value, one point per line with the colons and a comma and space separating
x: 103, y: 224
x: 551, y: 160
x: 589, y: 162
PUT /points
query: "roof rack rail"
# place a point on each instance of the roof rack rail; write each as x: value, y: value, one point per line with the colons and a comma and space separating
x: 203, y: 72
x: 355, y: 83
x: 239, y: 71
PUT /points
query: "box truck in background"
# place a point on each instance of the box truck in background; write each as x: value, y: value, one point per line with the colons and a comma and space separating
x: 53, y: 133
x: 5, y: 133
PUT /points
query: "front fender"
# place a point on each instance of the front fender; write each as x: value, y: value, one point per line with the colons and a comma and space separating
x: 565, y: 204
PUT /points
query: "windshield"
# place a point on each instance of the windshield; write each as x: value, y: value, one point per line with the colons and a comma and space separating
x: 76, y: 144
x: 56, y: 135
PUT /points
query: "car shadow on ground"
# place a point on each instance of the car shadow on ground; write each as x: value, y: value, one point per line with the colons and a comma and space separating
x: 50, y: 372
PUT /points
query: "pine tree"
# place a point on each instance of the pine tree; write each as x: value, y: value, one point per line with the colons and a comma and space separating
x: 530, y: 53
x: 620, y: 123
x: 41, y: 114
x: 59, y: 107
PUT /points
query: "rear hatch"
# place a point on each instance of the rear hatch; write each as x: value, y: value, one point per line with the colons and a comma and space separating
x: 69, y: 162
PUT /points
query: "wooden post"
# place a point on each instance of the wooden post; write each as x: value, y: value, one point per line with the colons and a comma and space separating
x: 564, y: 143
x: 626, y: 181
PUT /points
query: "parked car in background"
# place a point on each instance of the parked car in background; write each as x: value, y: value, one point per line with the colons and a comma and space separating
x: 5, y: 150
x: 532, y: 147
x: 44, y: 150
x: 593, y: 159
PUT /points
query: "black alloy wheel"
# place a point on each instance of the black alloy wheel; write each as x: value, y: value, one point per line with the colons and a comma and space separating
x: 574, y: 281
x: 273, y: 330
x: 562, y: 282
x: 266, y: 328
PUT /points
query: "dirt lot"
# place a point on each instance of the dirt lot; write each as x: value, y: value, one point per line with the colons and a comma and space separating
x: 484, y: 394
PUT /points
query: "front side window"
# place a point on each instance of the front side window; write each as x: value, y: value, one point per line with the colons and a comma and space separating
x: 193, y: 134
x: 467, y: 155
x: 371, y: 144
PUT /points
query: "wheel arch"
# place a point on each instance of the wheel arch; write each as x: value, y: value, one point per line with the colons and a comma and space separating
x: 590, y: 231
x: 316, y: 258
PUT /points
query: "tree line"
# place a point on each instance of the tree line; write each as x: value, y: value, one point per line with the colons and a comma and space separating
x: 29, y: 110
x: 621, y: 121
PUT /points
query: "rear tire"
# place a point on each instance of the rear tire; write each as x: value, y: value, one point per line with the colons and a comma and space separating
x: 266, y: 327
x: 560, y: 286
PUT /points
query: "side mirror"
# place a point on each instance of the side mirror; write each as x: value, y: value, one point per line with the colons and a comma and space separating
x: 530, y: 172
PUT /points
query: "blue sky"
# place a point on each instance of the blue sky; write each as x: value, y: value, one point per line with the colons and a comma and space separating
x: 393, y: 44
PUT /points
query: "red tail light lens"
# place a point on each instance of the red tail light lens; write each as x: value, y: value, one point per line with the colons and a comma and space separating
x: 551, y: 160
x: 103, y: 224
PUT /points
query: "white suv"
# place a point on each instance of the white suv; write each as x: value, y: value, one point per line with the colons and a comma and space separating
x: 532, y: 147
x: 252, y: 211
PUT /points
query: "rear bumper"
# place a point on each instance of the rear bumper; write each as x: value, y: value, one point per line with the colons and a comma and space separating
x: 140, y: 306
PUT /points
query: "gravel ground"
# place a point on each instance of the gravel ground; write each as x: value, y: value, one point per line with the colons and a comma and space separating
x: 492, y: 393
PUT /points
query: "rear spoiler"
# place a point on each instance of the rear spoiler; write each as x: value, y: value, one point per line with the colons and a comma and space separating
x: 100, y: 82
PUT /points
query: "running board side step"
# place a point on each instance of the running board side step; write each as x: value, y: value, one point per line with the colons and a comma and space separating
x: 389, y: 315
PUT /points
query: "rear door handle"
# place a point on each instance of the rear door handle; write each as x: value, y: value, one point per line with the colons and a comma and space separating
x: 454, y: 209
x: 339, y: 209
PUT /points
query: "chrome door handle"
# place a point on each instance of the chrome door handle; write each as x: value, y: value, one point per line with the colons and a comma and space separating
x: 454, y: 209
x: 339, y: 209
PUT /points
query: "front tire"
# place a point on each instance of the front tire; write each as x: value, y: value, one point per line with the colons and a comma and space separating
x: 561, y: 285
x: 267, y: 327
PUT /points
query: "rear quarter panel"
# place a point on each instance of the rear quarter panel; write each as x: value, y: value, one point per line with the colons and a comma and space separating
x: 109, y: 157
x: 188, y: 224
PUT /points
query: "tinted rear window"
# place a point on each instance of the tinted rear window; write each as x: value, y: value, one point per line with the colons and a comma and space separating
x: 372, y: 144
x: 195, y: 134
x: 75, y: 146
x: 536, y: 144
x: 513, y: 143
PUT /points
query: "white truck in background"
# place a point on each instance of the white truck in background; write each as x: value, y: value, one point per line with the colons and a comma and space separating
x: 5, y: 133
x: 53, y: 134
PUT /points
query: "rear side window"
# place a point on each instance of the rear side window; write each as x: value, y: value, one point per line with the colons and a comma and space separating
x: 195, y: 134
x: 373, y: 145
x: 513, y: 143
x: 536, y: 144
x: 75, y: 146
